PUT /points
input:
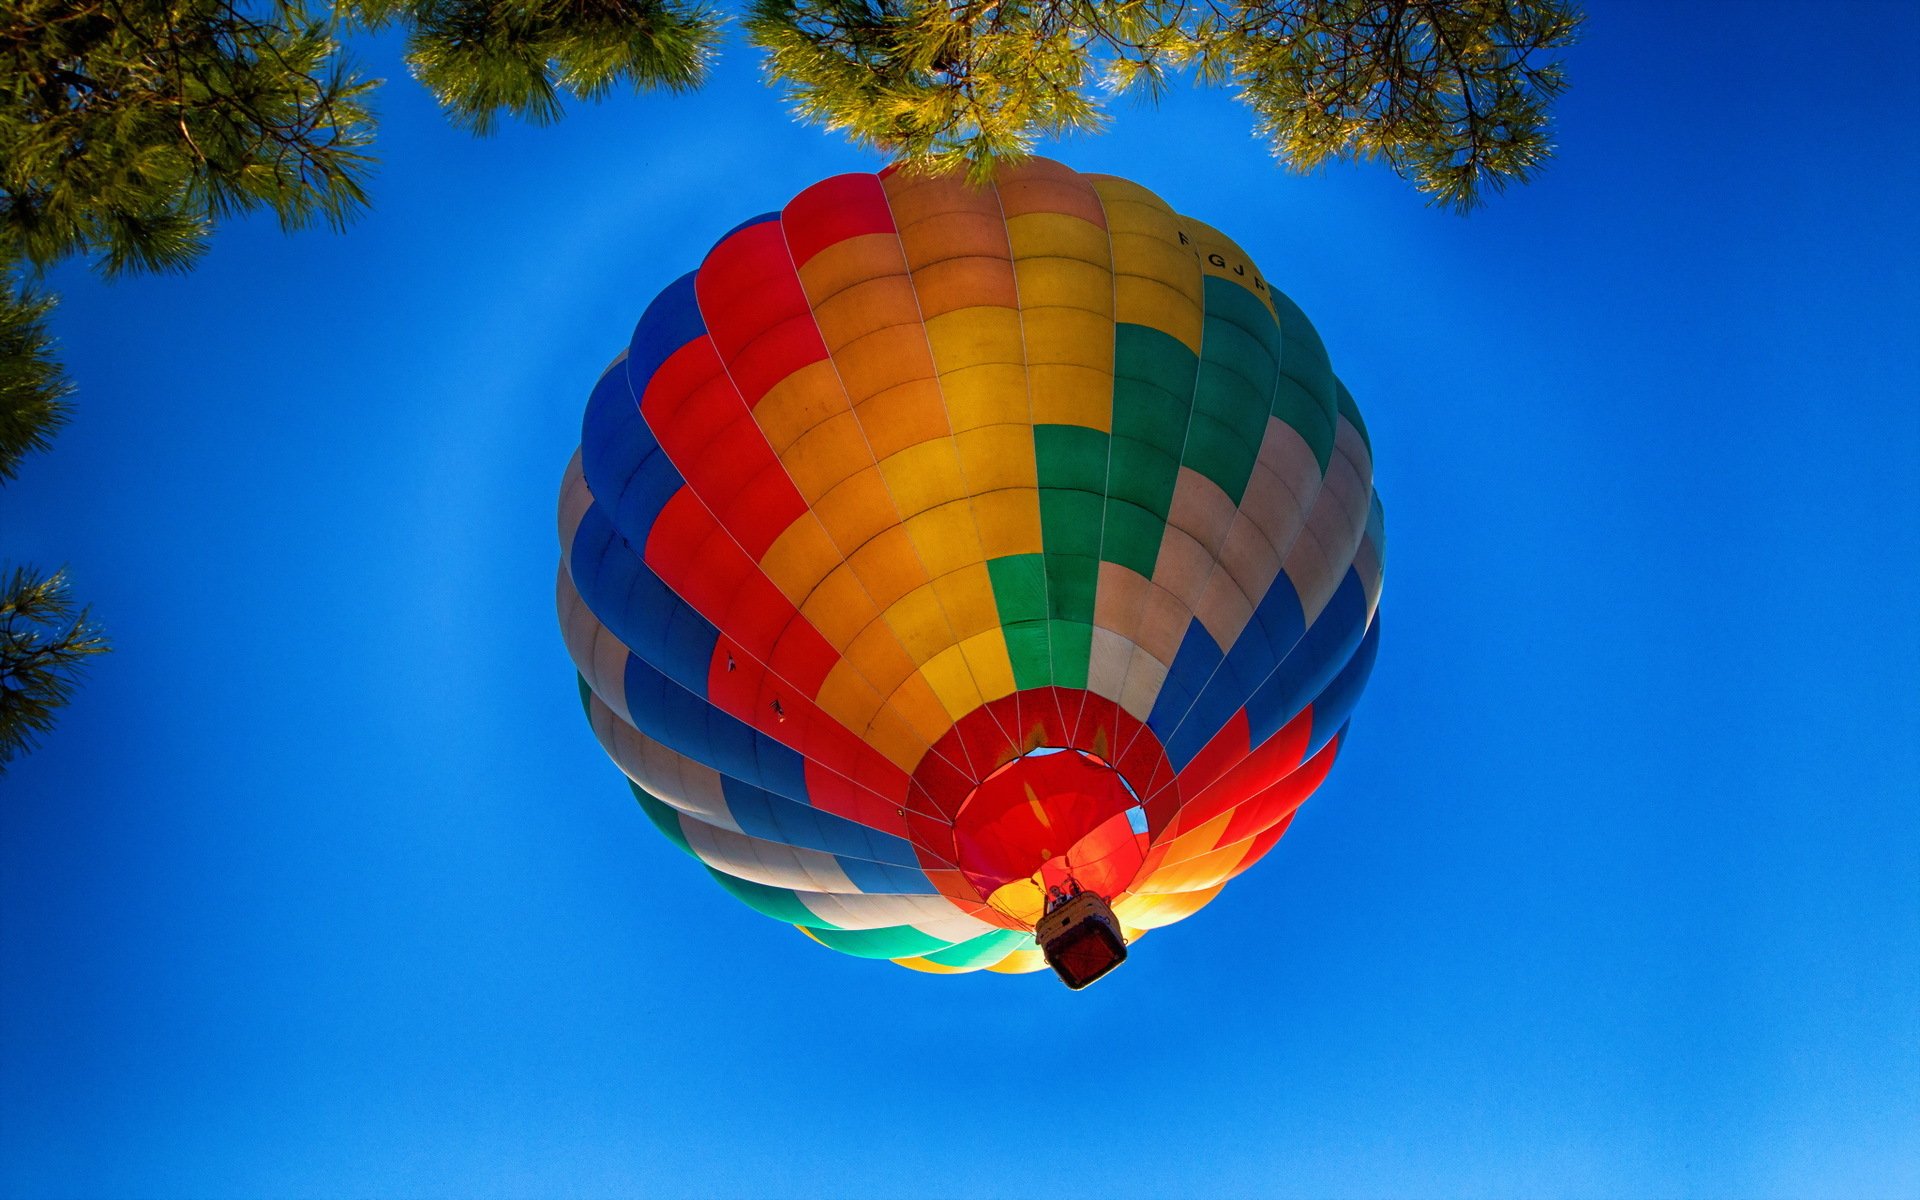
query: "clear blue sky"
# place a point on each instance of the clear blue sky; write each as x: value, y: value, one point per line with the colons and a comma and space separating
x: 324, y: 889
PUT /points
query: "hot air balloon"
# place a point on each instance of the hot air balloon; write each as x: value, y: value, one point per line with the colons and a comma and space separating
x: 974, y: 577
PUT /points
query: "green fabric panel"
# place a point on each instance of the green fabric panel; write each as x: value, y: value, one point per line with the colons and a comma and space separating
x: 1072, y: 643
x: 1311, y: 404
x: 983, y: 951
x: 1019, y: 587
x: 1351, y: 412
x: 1222, y: 453
x: 1029, y: 647
x: 1133, y: 536
x: 1070, y: 522
x: 1143, y: 471
x: 1234, y: 393
x: 1020, y: 594
x: 779, y: 903
x: 1070, y: 456
x: 664, y: 816
x: 895, y: 941
x: 1152, y: 400
x: 1071, y: 581
x: 1308, y: 417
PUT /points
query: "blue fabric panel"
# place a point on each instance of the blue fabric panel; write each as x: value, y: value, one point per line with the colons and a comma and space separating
x: 637, y: 606
x: 1266, y: 641
x: 670, y: 322
x: 1334, y: 705
x: 1199, y: 656
x: 625, y: 468
x: 685, y: 723
x: 886, y: 879
x: 1305, y: 673
x: 775, y: 818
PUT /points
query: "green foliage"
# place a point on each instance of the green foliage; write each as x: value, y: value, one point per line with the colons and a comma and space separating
x: 1453, y: 94
x: 33, y: 389
x: 482, y: 57
x: 127, y: 127
x: 45, y: 643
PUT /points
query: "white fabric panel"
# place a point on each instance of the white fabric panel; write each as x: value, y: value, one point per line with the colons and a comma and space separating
x: 575, y: 499
x: 774, y: 864
x: 1319, y: 559
x: 600, y: 657
x: 933, y: 915
x: 690, y: 786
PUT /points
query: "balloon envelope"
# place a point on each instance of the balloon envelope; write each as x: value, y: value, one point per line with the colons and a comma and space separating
x: 933, y: 547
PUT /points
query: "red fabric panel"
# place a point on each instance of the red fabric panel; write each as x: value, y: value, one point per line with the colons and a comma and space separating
x: 691, y: 406
x: 1265, y: 842
x: 1221, y: 753
x: 756, y: 311
x: 834, y: 210
x: 1269, y: 763
x: 1033, y: 810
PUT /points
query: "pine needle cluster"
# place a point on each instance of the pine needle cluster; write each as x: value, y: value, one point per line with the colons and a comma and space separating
x: 481, y: 58
x: 128, y: 127
x: 1453, y: 94
x: 33, y: 388
x: 45, y: 642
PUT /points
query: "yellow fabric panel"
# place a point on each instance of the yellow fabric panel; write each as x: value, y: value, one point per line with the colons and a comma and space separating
x: 857, y: 509
x: 993, y: 458
x: 930, y: 967
x: 946, y: 537
x: 977, y: 334
x: 1157, y: 280
x: 1189, y: 845
x: 992, y: 669
x: 950, y: 676
x: 967, y: 596
x: 1064, y: 266
x: 1009, y: 521
x: 923, y: 476
x: 915, y: 701
x: 1222, y: 258
x: 921, y: 624
x: 888, y: 567
x: 825, y: 455
x: 1203, y: 872
x: 1073, y: 395
x: 798, y: 403
x: 987, y: 395
x: 877, y: 654
x: 1154, y: 912
x: 1078, y: 276
x: 838, y: 606
x: 799, y: 559
x: 852, y: 702
x: 1021, y: 962
x: 1025, y: 900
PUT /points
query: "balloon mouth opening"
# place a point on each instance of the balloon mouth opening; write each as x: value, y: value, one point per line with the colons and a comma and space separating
x: 1055, y: 820
x: 1080, y: 938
